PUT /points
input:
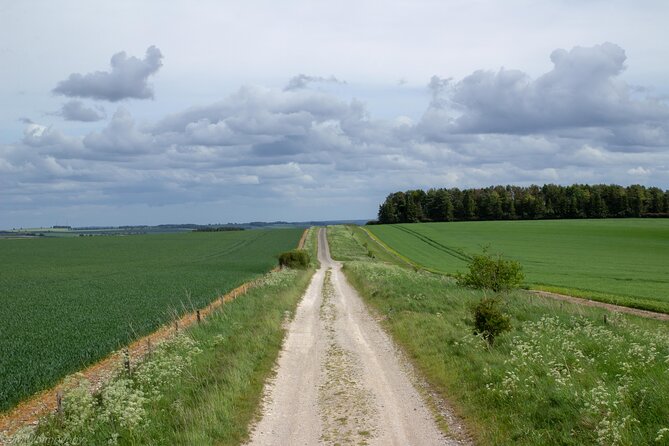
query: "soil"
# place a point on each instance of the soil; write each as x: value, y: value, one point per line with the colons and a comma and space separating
x: 340, y: 380
x: 610, y: 307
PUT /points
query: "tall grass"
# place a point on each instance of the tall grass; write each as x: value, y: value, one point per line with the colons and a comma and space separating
x: 565, y: 374
x: 311, y: 246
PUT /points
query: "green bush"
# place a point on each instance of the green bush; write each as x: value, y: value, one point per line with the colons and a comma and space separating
x: 489, y: 320
x: 487, y: 272
x: 297, y: 258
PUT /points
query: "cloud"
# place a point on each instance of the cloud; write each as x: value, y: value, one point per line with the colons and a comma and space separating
x: 76, y: 111
x: 581, y: 91
x: 255, y: 107
x: 302, y: 81
x: 121, y: 137
x: 639, y: 171
x: 36, y: 135
x: 437, y: 87
x: 273, y: 151
x: 127, y: 79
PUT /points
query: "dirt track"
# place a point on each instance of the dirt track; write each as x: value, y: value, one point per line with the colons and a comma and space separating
x: 340, y: 380
x: 607, y: 306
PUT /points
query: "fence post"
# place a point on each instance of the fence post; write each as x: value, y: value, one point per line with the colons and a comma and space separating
x: 199, y: 318
x: 59, y: 402
x: 126, y: 360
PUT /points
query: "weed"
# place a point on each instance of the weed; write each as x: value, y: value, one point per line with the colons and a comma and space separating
x: 297, y: 258
x: 487, y: 272
x: 489, y: 321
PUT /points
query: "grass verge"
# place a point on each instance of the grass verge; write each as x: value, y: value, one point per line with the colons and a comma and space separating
x: 565, y: 374
x: 355, y: 243
x: 625, y: 301
x: 311, y: 246
x: 202, y: 387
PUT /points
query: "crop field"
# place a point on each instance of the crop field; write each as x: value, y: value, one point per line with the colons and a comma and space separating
x: 565, y: 374
x: 622, y: 261
x: 67, y: 302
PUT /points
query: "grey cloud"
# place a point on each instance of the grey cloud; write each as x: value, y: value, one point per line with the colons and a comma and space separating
x: 640, y: 137
x: 126, y: 79
x: 257, y: 105
x: 302, y: 81
x: 271, y: 123
x: 286, y: 146
x: 121, y: 137
x: 36, y: 135
x: 299, y: 146
x: 582, y: 90
x: 76, y: 111
x: 437, y: 86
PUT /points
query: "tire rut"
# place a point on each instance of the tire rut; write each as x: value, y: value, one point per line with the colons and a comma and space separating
x: 339, y: 378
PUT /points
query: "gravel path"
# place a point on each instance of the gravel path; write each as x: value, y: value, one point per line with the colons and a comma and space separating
x: 340, y: 379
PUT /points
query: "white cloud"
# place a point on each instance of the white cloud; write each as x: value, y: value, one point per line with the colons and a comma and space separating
x: 582, y: 90
x: 640, y: 171
x: 300, y: 149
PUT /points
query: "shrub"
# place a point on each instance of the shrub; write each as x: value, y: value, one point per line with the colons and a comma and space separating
x: 297, y: 258
x: 489, y: 272
x: 489, y: 320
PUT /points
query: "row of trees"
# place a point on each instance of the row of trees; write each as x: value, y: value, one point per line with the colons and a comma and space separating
x: 525, y: 203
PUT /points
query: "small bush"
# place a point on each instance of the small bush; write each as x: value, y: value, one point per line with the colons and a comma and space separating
x: 297, y: 258
x: 487, y: 272
x: 489, y: 320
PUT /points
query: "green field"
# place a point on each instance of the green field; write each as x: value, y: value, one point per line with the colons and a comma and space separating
x: 624, y: 261
x: 565, y: 374
x: 66, y: 303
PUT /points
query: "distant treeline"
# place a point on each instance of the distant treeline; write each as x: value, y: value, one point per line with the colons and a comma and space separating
x: 218, y: 228
x: 550, y: 201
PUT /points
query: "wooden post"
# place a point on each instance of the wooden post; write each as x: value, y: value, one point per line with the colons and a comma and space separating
x: 126, y: 360
x: 149, y: 349
x: 199, y: 318
x: 59, y: 402
x: 176, y: 326
x: 605, y: 322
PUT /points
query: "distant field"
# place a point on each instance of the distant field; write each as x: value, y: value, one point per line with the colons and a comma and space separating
x: 623, y: 261
x: 67, y: 302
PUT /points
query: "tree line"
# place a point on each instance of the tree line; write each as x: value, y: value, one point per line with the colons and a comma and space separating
x: 549, y: 201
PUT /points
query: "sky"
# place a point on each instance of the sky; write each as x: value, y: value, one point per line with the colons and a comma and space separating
x: 124, y: 112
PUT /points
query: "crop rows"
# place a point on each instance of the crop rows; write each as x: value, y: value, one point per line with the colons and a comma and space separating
x: 565, y: 374
x: 66, y: 303
x: 623, y: 261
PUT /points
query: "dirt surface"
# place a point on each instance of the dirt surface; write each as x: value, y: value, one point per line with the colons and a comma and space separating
x: 611, y: 307
x: 340, y: 380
